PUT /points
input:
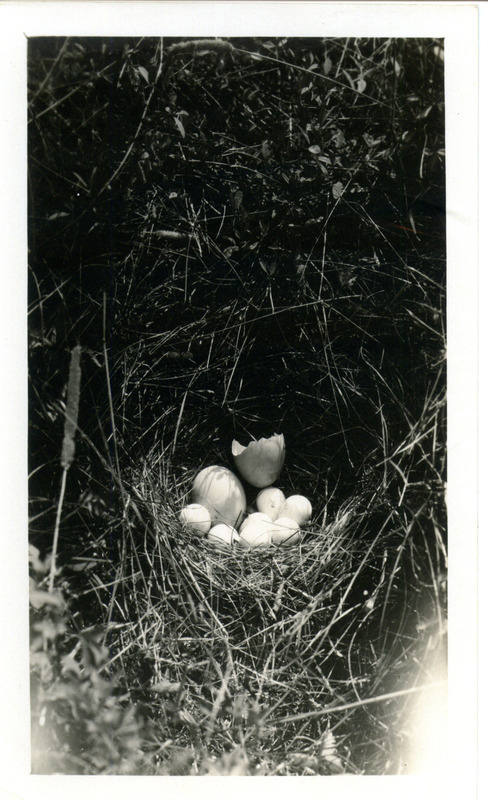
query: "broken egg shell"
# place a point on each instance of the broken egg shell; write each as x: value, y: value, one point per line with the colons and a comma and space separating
x: 261, y: 461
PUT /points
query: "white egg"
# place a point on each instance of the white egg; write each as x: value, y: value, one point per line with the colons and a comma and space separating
x: 285, y: 531
x: 270, y: 500
x: 222, y: 493
x: 223, y: 534
x: 196, y: 516
x: 257, y: 533
x: 297, y: 507
x: 255, y: 517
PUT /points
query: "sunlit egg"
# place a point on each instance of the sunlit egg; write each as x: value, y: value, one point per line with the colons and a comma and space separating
x: 222, y: 493
x: 297, y: 507
x: 196, y: 517
x: 224, y: 535
x: 257, y: 534
x: 255, y: 517
x: 285, y: 531
x: 269, y: 501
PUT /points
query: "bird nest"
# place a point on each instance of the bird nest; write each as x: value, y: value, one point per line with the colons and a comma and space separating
x: 255, y: 594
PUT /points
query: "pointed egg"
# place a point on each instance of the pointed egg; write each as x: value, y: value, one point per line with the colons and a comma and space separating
x: 222, y: 493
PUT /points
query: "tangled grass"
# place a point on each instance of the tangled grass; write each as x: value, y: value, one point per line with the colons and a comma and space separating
x: 245, y: 238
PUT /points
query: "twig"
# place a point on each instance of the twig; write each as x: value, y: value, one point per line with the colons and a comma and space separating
x: 357, y: 703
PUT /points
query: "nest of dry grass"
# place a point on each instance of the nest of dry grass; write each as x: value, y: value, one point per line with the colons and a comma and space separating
x: 291, y: 633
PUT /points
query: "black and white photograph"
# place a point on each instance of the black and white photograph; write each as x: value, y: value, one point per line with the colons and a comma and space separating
x: 237, y: 384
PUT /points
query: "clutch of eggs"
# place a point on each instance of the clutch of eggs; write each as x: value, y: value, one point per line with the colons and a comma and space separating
x: 218, y: 509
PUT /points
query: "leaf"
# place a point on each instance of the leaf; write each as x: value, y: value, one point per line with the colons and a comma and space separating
x: 351, y: 82
x: 144, y: 73
x: 35, y: 561
x: 361, y: 85
x: 337, y: 190
x: 84, y: 565
x: 82, y: 183
x: 315, y: 149
x: 339, y: 139
x: 327, y: 66
x: 180, y: 127
x: 269, y: 267
x: 39, y: 598
x: 57, y: 215
x: 49, y: 629
x: 425, y: 113
x: 70, y: 666
x: 94, y: 652
x: 412, y: 222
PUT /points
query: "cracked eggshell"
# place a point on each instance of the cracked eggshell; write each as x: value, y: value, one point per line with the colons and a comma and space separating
x: 269, y: 501
x: 196, y: 517
x: 222, y: 493
x: 285, y: 531
x: 297, y: 507
x: 222, y: 534
x: 261, y: 461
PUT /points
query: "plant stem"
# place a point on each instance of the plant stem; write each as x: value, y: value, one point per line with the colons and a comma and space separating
x: 56, y: 530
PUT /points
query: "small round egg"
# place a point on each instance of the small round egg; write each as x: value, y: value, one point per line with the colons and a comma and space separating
x: 196, y: 516
x: 222, y: 534
x: 269, y: 501
x: 256, y: 516
x: 285, y: 531
x: 257, y: 533
x: 297, y: 507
